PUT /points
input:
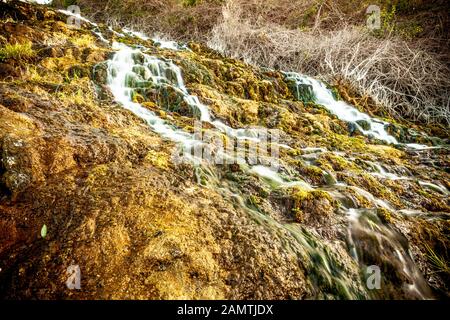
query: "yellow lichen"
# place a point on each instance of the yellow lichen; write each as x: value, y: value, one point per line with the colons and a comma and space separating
x: 311, y: 204
x: 157, y: 159
x: 384, y: 215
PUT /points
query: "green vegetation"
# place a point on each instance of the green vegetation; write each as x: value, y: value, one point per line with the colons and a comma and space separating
x: 149, y: 227
x: 190, y: 3
x: 44, y: 231
x: 17, y: 51
x: 439, y: 263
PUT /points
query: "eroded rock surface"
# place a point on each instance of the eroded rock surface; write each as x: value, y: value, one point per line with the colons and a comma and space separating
x: 142, y: 226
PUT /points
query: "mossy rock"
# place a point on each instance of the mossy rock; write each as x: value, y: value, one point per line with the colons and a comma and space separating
x: 312, y: 206
x: 384, y: 215
x: 301, y: 91
x: 79, y: 71
x: 364, y: 124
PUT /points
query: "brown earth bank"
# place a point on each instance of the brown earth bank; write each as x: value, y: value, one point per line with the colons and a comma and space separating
x: 142, y: 226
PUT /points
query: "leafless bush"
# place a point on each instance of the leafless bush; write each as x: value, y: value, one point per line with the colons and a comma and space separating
x: 406, y: 81
x: 170, y: 18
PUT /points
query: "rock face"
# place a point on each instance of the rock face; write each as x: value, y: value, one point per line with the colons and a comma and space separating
x: 143, y: 226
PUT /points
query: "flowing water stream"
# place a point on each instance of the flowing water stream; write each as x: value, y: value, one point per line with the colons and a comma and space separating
x: 368, y: 238
x: 130, y: 66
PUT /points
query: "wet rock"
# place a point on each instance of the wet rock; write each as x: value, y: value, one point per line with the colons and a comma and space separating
x: 353, y: 129
x: 172, y: 100
x: 52, y: 52
x: 363, y: 124
x: 15, y: 102
x: 19, y: 33
x: 93, y: 56
x: 100, y: 73
x: 79, y: 71
x: 384, y: 215
x: 59, y: 26
x: 7, y: 70
x: 301, y: 92
x: 312, y: 207
x: 73, y: 52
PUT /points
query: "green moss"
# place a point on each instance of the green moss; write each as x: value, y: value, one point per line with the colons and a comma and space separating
x: 311, y: 173
x: 157, y: 159
x: 232, y: 77
x: 344, y: 142
x: 384, y: 215
x: 301, y: 92
x: 191, y: 3
x: 335, y: 162
x: 335, y: 92
x: 308, y: 205
x: 371, y: 184
x: 17, y: 51
x: 97, y: 173
x: 263, y: 193
x: 254, y: 200
x: 358, y: 199
x: 295, y: 152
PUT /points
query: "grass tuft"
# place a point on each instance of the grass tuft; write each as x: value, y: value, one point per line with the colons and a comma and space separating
x: 17, y: 51
x: 438, y: 262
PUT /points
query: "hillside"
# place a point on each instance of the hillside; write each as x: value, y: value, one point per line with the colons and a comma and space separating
x: 93, y: 121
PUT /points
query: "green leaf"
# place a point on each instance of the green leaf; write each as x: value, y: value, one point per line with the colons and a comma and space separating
x: 44, y: 231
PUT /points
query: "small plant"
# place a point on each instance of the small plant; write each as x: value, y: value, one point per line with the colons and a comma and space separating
x: 17, y: 51
x: 190, y: 3
x: 44, y: 231
x: 438, y: 262
x: 83, y: 41
x: 388, y: 19
x: 254, y: 200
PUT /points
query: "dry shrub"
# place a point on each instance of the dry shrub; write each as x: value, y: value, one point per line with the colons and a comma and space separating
x: 173, y: 19
x: 406, y: 81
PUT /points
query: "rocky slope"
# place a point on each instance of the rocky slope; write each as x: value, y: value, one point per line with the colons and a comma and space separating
x: 143, y: 226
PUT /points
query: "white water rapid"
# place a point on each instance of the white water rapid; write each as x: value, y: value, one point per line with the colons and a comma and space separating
x: 131, y: 68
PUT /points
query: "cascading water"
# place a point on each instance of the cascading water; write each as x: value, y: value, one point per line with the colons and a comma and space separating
x: 310, y: 89
x: 299, y: 244
x: 130, y: 69
x: 373, y: 243
x: 120, y: 70
x: 129, y: 66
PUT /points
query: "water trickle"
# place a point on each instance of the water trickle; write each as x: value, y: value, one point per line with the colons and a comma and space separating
x: 435, y: 187
x: 136, y: 34
x: 119, y: 70
x: 168, y: 44
x: 319, y: 93
x: 309, y: 89
x: 131, y: 68
x: 375, y: 243
x: 276, y: 179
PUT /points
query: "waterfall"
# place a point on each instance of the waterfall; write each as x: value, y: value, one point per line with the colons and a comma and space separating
x: 324, y: 96
x: 130, y: 66
x: 120, y: 68
x: 309, y: 89
x: 130, y: 69
x: 373, y: 242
